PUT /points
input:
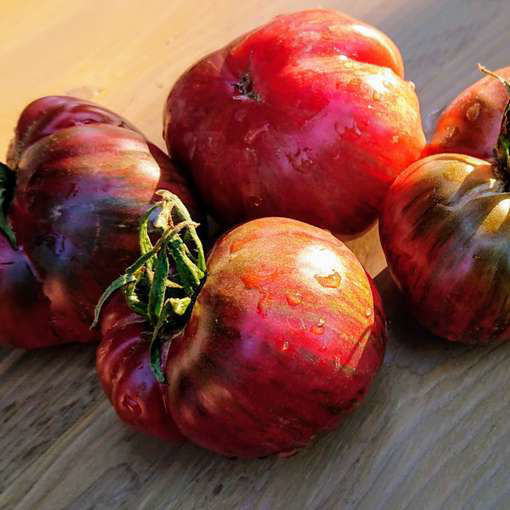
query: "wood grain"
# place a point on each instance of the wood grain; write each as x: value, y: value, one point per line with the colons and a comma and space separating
x: 433, y: 432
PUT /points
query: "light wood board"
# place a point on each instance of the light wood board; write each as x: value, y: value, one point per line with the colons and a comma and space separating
x: 434, y: 431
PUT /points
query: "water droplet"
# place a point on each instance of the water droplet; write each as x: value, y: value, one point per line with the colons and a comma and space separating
x: 252, y: 134
x: 294, y: 298
x: 131, y: 405
x: 337, y: 364
x: 368, y: 312
x: 473, y: 111
x: 255, y: 201
x: 285, y: 346
x: 451, y: 132
x: 263, y: 305
x: 331, y: 281
x: 376, y: 96
x: 355, y: 82
x: 339, y: 128
x: 317, y: 330
x: 395, y: 139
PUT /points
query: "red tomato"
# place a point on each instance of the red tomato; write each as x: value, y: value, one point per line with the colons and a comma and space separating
x: 306, y: 117
x: 123, y: 367
x: 470, y: 124
x: 83, y: 178
x: 285, y: 337
x: 444, y: 227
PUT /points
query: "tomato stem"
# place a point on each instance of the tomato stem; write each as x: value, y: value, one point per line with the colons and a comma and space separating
x: 7, y: 186
x: 162, y: 284
x: 502, y: 150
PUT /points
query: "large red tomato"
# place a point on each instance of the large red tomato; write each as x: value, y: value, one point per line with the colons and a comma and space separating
x: 307, y: 117
x: 445, y: 227
x: 285, y: 337
x: 80, y: 177
x: 272, y: 341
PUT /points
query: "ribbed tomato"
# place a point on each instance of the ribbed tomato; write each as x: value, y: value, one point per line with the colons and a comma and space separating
x: 470, y: 124
x: 124, y: 369
x: 445, y: 229
x: 83, y: 176
x: 284, y: 339
x: 306, y: 117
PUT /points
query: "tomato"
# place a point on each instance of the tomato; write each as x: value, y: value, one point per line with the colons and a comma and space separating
x: 83, y: 176
x: 124, y: 369
x: 306, y: 117
x: 272, y: 341
x: 470, y: 124
x: 444, y: 230
x: 285, y: 337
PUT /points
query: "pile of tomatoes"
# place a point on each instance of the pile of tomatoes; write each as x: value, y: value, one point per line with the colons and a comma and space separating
x: 297, y: 134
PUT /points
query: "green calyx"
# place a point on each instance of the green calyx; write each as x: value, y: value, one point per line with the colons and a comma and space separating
x: 162, y: 284
x: 502, y: 150
x: 7, y: 185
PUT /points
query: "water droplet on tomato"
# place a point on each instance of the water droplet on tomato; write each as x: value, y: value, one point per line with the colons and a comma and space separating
x: 451, y: 132
x: 331, y: 281
x: 285, y: 346
x: 255, y: 201
x: 376, y: 96
x: 395, y: 139
x: 368, y: 312
x: 262, y: 305
x: 252, y: 134
x: 317, y: 329
x: 294, y: 298
x: 473, y: 111
x: 354, y: 82
x: 131, y: 405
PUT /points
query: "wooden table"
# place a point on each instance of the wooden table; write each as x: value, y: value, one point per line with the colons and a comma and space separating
x: 434, y: 431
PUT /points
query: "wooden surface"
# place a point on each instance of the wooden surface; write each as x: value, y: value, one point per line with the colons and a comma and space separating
x: 434, y: 431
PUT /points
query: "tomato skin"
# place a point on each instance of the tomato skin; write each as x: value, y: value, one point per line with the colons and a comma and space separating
x: 444, y: 230
x: 284, y: 339
x: 84, y: 177
x: 324, y: 125
x: 470, y: 124
x: 123, y: 367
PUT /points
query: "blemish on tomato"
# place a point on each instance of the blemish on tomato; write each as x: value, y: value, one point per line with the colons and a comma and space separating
x: 331, y: 281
